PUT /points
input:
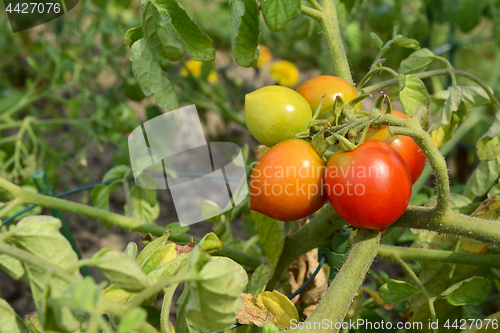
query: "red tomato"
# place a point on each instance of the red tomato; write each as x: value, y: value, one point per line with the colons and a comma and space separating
x: 314, y: 89
x: 369, y: 187
x: 287, y: 181
x: 404, y: 145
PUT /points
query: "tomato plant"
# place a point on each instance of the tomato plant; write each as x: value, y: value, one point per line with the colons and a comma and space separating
x: 329, y: 86
x: 74, y: 90
x: 274, y: 114
x: 404, y: 145
x: 362, y: 184
x: 287, y: 181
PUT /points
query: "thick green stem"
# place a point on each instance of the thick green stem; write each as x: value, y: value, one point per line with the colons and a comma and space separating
x: 318, y: 232
x: 338, y: 297
x: 452, y: 257
x: 115, y: 219
x: 330, y: 25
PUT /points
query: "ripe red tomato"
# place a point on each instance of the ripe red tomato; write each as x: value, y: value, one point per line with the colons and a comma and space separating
x: 287, y: 182
x: 404, y: 145
x: 314, y: 89
x: 275, y: 113
x: 369, y: 187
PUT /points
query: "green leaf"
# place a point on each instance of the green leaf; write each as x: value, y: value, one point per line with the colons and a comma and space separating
x: 259, y: 280
x: 144, y: 204
x: 211, y: 243
x: 215, y: 292
x: 146, y: 252
x: 245, y: 30
x: 377, y: 39
x: 131, y: 250
x: 194, y: 41
x: 469, y: 13
x: 470, y: 291
x: 82, y: 295
x: 418, y: 61
x: 451, y: 105
x: 444, y: 133
x: 116, y: 173
x: 395, y: 291
x: 458, y: 201
x: 413, y: 94
x: 11, y: 266
x: 100, y: 195
x: 161, y: 34
x: 176, y: 229
x: 132, y: 35
x: 277, y: 13
x: 489, y: 209
x: 488, y: 147
x: 483, y: 178
x: 9, y: 321
x: 438, y: 276
x: 271, y: 236
x: 408, y: 43
x: 120, y: 269
x: 40, y: 236
x: 473, y: 96
x: 132, y: 320
x: 151, y: 77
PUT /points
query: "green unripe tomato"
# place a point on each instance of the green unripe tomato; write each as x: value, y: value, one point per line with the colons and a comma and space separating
x: 275, y: 113
x: 269, y: 327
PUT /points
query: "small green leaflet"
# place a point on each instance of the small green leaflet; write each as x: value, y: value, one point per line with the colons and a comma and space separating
x: 245, y: 31
x: 277, y: 13
x: 151, y: 77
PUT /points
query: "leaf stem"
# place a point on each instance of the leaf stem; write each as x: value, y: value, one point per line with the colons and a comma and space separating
x: 27, y: 257
x: 437, y: 72
x: 414, y: 277
x: 116, y: 219
x: 12, y: 204
x: 315, y: 4
x: 453, y: 257
x: 311, y: 12
x: 374, y: 71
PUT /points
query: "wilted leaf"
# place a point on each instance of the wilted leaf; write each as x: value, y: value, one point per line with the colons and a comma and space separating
x: 300, y: 271
x: 253, y: 312
x: 489, y: 209
x: 396, y: 291
x: 259, y: 280
x: 152, y: 246
x: 245, y: 30
x: 444, y: 133
x: 120, y: 269
x: 471, y: 291
x: 280, y: 307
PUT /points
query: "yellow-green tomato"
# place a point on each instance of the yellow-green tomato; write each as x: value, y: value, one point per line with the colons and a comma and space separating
x: 275, y: 113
